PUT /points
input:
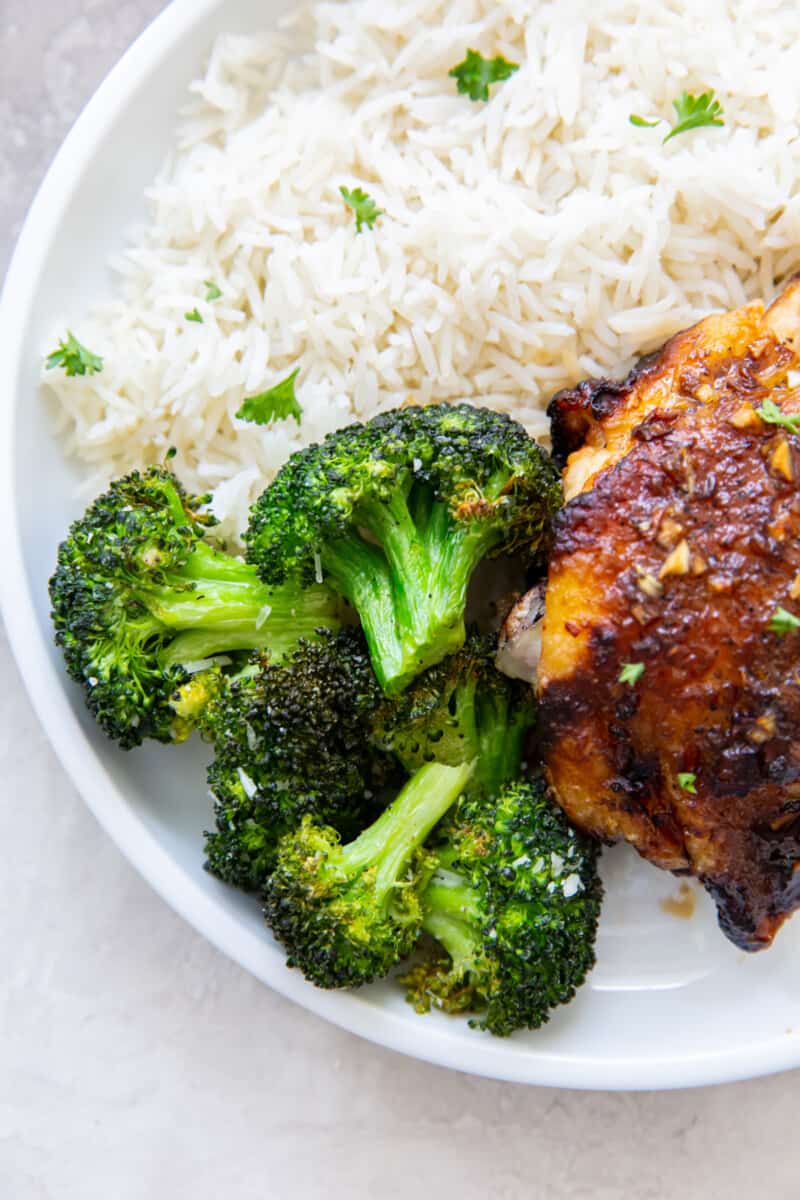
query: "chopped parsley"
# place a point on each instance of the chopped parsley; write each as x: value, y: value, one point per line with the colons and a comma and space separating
x: 213, y: 292
x: 194, y: 315
x: 74, y: 358
x: 276, y: 404
x: 687, y: 780
x: 691, y: 112
x: 772, y: 415
x: 783, y: 622
x: 641, y: 123
x: 364, y: 207
x: 476, y: 74
x: 631, y: 673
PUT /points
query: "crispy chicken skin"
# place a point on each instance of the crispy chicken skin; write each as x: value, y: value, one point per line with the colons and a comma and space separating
x: 680, y: 539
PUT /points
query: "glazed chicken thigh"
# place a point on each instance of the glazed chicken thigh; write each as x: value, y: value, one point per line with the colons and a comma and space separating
x: 677, y: 556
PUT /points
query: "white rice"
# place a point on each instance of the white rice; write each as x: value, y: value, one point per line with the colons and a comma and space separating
x: 525, y: 243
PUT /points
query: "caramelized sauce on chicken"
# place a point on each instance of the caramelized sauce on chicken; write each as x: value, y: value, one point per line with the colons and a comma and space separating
x: 679, y: 541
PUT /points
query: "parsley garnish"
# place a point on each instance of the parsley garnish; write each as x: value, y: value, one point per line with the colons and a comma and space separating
x: 365, y: 208
x: 641, y: 123
x: 275, y: 404
x: 475, y: 74
x: 687, y: 780
x: 213, y: 292
x: 783, y: 622
x: 194, y: 315
x: 631, y: 673
x: 74, y: 358
x: 772, y: 415
x: 691, y: 112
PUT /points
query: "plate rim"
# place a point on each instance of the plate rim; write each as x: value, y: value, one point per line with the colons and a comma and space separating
x: 45, y: 686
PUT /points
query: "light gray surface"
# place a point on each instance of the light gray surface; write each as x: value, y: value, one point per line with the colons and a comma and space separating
x: 137, y: 1062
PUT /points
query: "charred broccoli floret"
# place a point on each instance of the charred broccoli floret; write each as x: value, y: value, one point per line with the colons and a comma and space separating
x: 514, y: 904
x: 458, y: 711
x: 291, y: 739
x: 348, y: 914
x: 397, y: 513
x: 315, y: 735
x: 140, y: 599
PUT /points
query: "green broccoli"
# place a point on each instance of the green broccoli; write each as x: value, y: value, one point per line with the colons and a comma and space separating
x: 314, y: 734
x: 348, y: 914
x: 397, y: 513
x: 514, y: 903
x: 140, y: 600
x: 291, y: 739
x: 458, y: 711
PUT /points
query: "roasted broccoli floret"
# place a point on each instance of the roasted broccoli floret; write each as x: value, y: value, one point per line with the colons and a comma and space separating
x: 397, y: 513
x: 140, y: 599
x: 291, y: 739
x: 314, y: 734
x: 458, y: 711
x: 348, y: 914
x: 514, y: 903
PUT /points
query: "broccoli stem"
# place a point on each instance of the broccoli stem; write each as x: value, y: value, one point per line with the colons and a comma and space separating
x: 213, y: 620
x: 501, y: 738
x: 450, y: 915
x: 388, y: 844
x: 215, y: 603
x: 207, y: 563
x: 199, y: 644
x: 361, y: 573
x: 411, y: 597
x: 391, y: 523
x: 209, y: 602
x: 454, y: 553
x: 449, y: 895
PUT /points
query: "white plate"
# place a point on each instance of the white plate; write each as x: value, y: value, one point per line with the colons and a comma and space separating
x: 670, y: 1003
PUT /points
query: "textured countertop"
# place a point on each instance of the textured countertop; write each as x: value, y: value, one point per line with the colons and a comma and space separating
x: 137, y: 1063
